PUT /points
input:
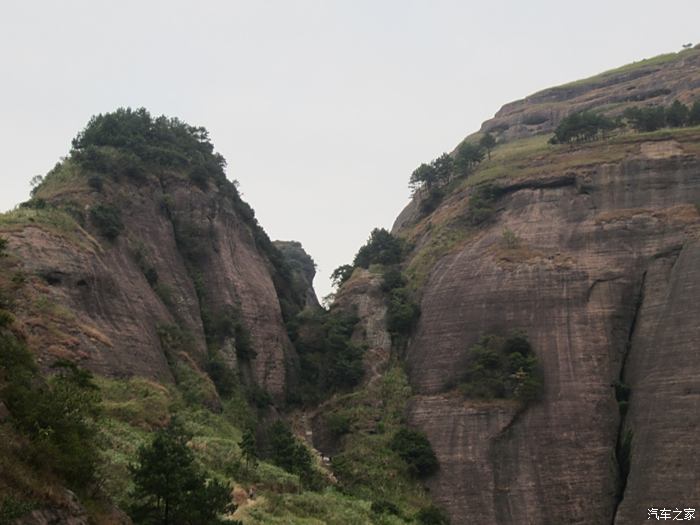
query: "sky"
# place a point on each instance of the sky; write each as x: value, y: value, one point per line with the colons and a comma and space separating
x: 321, y: 108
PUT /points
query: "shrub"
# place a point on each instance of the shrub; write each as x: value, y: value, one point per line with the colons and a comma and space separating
x: 392, y: 278
x: 646, y: 119
x: 510, y: 239
x: 338, y: 424
x: 432, y: 200
x: 468, y: 155
x: 694, y: 114
x: 502, y: 368
x: 329, y: 360
x: 580, y: 127
x: 95, y: 182
x: 107, y: 219
x: 385, y: 507
x: 414, y: 448
x: 402, y: 312
x: 3, y: 247
x: 432, y: 516
x: 221, y: 374
x: 139, y: 138
x: 342, y: 274
x: 381, y: 248
x: 58, y: 415
x: 677, y: 114
x: 481, y: 202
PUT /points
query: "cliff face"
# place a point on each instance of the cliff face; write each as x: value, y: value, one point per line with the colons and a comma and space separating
x: 659, y: 80
x: 601, y: 279
x: 207, y: 260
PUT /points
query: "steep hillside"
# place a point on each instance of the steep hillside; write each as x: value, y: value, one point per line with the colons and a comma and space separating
x: 655, y: 81
x: 128, y: 247
x: 589, y: 249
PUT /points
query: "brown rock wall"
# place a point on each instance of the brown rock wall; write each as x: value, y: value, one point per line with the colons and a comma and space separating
x: 586, y: 249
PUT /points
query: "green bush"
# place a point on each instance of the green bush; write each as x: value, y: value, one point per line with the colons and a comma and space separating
x: 11, y: 509
x: 385, y: 507
x: 341, y: 274
x: 414, y: 448
x: 59, y: 415
x: 337, y: 424
x: 402, y: 313
x: 481, y: 203
x: 392, y: 278
x: 432, y: 516
x: 580, y: 127
x: 502, y: 368
x: 646, y: 119
x: 139, y: 138
x: 329, y: 360
x: 107, y: 220
x: 381, y: 248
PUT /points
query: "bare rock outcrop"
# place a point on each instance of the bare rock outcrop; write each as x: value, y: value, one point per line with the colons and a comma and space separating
x: 603, y: 281
x: 660, y: 80
x: 105, y: 312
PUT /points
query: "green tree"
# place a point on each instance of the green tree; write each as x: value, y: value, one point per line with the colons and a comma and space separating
x: 487, y: 142
x: 580, y: 127
x: 341, y: 274
x: 288, y: 452
x: 169, y: 488
x: 249, y: 447
x: 414, y: 448
x: 467, y: 157
x: 694, y: 114
x: 108, y: 220
x: 381, y: 248
x: 424, y: 175
x: 677, y: 115
x: 646, y: 119
x: 443, y: 167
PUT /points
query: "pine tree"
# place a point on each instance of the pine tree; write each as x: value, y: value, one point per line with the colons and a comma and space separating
x: 169, y: 488
x: 487, y: 142
x: 249, y: 448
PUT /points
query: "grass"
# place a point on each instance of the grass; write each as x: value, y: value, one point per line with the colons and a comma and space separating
x: 648, y: 62
x: 367, y: 468
x: 66, y: 178
x: 329, y: 507
x: 49, y: 219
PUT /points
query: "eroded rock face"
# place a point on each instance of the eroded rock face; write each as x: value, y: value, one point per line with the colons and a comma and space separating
x: 603, y: 281
x: 659, y: 82
x: 112, y: 313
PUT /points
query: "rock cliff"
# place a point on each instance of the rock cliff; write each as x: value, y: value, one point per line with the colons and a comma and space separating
x: 658, y: 80
x: 187, y: 255
x: 600, y: 269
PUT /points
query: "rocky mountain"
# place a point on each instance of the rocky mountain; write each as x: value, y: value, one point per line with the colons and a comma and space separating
x: 137, y: 259
x: 592, y: 251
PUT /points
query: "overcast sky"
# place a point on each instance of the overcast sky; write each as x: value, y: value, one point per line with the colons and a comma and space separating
x: 322, y: 108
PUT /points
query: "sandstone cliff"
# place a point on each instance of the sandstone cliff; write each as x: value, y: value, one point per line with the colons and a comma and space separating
x: 601, y: 274
x: 188, y: 254
x: 658, y: 80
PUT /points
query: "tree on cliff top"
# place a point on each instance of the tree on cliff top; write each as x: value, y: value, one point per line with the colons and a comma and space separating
x: 140, y: 138
x: 381, y: 248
